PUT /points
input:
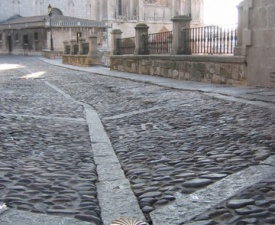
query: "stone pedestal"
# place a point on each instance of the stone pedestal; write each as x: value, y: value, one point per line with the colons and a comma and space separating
x: 141, y: 47
x: 116, y: 34
x: 180, y: 41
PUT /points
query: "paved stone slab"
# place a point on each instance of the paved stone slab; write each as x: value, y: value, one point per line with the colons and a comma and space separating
x: 186, y: 207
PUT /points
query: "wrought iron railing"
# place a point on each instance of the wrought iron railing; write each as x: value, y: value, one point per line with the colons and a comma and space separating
x: 159, y: 43
x: 85, y: 48
x: 210, y: 40
x: 67, y: 50
x: 75, y: 48
x: 126, y: 45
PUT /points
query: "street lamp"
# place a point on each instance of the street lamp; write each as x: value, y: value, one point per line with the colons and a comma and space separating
x: 50, y: 15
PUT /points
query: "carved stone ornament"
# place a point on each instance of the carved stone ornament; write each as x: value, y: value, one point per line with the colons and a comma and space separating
x: 128, y: 221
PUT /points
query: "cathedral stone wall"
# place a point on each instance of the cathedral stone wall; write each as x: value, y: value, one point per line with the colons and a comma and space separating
x: 107, y: 10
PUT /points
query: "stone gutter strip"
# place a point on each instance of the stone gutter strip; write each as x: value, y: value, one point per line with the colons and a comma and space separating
x: 115, y: 195
x: 186, y: 207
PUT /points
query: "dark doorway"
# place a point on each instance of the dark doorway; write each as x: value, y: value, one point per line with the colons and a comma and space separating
x: 10, y: 44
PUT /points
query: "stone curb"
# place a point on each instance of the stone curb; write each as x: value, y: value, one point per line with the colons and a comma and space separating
x: 205, y: 88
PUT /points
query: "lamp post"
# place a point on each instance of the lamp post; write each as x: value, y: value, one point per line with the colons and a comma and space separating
x: 50, y: 15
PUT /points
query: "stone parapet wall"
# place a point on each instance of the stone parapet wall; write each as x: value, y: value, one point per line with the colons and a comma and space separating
x: 52, y: 54
x: 80, y: 60
x: 211, y: 69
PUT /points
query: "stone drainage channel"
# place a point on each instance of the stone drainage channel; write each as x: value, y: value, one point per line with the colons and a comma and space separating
x: 115, y: 195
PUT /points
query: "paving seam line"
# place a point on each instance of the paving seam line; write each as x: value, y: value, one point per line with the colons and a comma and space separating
x: 116, y: 198
x: 186, y: 207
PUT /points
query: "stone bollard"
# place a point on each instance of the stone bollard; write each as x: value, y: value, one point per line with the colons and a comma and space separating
x: 141, y: 47
x: 116, y: 34
x: 65, y: 44
x: 180, y: 41
x: 72, y: 44
x: 80, y: 46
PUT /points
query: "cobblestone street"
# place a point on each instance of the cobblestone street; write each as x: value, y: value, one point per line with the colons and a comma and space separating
x: 169, y: 142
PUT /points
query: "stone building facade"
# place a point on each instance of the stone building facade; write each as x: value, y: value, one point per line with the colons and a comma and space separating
x: 256, y: 41
x: 118, y: 14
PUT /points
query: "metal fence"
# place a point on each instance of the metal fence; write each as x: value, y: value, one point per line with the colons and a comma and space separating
x: 159, y: 43
x: 67, y: 50
x: 85, y: 48
x: 210, y: 40
x: 126, y: 45
x: 75, y: 48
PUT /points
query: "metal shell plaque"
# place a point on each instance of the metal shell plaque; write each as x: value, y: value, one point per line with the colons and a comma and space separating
x: 128, y: 221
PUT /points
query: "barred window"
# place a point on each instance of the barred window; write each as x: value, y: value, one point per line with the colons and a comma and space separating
x: 0, y: 37
x: 16, y: 37
x: 25, y: 40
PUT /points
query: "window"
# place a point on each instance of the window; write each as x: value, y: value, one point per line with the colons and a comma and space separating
x: 0, y: 37
x: 119, y: 7
x: 35, y: 36
x: 78, y: 35
x: 25, y: 40
x: 17, y: 37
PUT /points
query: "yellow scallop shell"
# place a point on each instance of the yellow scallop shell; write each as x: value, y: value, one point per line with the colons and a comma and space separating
x: 128, y: 221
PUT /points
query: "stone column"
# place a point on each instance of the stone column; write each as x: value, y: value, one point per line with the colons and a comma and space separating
x: 93, y: 52
x: 141, y: 39
x: 116, y: 34
x: 80, y: 46
x: 180, y: 41
x: 72, y: 43
x: 65, y: 43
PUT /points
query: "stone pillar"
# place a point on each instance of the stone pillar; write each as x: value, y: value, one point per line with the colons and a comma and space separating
x: 238, y: 48
x: 244, y: 33
x: 116, y: 34
x: 4, y: 43
x: 93, y: 46
x: 141, y: 39
x: 65, y: 43
x: 72, y: 43
x: 180, y: 41
x: 80, y: 46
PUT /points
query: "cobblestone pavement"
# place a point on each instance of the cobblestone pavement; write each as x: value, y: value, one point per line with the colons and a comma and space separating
x: 46, y: 165
x: 168, y: 141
